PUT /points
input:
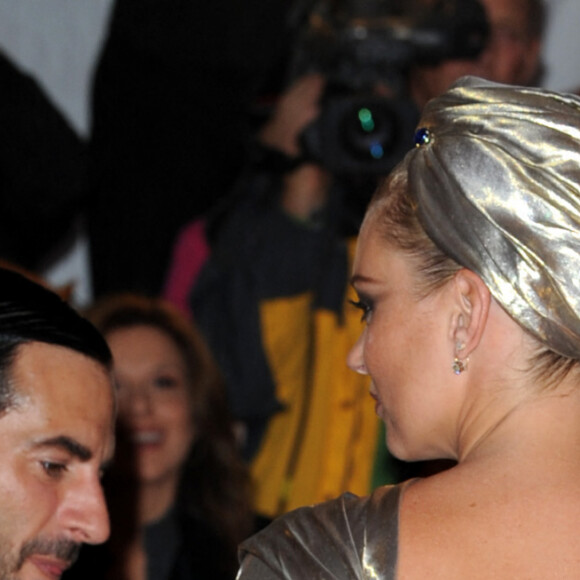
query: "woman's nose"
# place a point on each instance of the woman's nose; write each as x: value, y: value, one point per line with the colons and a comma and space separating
x: 355, y: 358
x: 136, y: 401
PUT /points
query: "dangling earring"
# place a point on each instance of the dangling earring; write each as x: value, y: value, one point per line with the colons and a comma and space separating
x: 459, y: 365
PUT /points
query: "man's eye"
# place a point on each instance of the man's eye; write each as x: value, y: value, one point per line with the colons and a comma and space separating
x: 53, y: 469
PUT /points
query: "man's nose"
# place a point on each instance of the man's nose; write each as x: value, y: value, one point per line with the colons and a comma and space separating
x: 85, y: 512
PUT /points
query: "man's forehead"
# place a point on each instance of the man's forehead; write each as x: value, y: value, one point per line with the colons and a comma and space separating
x: 38, y: 362
x: 65, y: 387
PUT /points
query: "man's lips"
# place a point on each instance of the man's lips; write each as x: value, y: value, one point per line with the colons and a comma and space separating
x: 50, y: 566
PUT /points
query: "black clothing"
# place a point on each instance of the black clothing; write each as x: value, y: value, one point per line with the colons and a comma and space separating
x: 187, y: 548
x: 171, y: 102
x: 42, y: 172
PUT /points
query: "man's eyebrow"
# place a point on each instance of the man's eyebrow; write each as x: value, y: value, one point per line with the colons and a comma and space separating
x: 67, y: 444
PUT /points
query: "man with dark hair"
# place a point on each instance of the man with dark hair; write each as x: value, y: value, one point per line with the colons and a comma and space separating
x: 56, y: 431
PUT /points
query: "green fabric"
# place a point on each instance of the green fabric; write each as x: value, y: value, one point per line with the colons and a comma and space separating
x: 385, y: 471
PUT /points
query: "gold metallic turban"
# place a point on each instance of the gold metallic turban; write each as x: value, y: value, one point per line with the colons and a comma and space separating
x: 496, y: 175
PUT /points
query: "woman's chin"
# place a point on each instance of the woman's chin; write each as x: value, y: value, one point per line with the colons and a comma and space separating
x: 404, y: 452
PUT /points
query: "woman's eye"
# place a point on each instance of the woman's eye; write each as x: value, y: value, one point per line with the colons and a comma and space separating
x: 53, y: 469
x: 166, y: 382
x: 364, y: 306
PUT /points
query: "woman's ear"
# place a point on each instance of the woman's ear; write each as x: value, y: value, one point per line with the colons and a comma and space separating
x: 472, y: 302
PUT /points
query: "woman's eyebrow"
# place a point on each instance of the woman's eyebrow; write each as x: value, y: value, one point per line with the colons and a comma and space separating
x: 359, y: 278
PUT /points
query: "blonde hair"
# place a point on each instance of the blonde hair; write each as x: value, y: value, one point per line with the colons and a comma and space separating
x: 394, y: 211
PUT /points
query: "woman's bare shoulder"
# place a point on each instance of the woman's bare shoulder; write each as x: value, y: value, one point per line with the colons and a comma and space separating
x: 453, y: 526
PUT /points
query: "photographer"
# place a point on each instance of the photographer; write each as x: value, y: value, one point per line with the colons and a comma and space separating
x: 273, y: 303
x: 512, y: 54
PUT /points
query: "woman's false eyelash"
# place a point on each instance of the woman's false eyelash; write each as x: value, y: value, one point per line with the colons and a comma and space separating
x: 362, y: 305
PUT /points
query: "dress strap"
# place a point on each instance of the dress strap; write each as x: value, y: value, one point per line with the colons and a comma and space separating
x: 380, y: 553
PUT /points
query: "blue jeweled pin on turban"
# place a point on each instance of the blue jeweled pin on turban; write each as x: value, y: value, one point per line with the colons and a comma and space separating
x: 496, y: 174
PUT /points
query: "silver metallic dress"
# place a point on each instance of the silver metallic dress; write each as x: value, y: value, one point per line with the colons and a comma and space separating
x: 347, y: 538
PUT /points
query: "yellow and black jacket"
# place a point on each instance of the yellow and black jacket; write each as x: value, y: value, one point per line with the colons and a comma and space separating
x: 273, y: 304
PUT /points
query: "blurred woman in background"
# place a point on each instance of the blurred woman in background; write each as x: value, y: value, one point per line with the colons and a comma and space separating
x: 177, y: 451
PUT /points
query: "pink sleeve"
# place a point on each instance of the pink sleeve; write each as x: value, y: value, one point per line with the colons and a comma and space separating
x: 189, y: 254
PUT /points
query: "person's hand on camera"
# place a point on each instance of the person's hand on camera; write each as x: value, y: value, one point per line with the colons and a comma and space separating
x: 297, y: 107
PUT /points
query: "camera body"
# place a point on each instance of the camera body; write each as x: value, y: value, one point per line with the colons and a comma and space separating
x: 362, y: 45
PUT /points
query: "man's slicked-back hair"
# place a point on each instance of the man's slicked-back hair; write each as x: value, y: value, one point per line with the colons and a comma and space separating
x: 29, y: 313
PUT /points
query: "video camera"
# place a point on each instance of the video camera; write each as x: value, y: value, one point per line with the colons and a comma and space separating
x: 361, y: 44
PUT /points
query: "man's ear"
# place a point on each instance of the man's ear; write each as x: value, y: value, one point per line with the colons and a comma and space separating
x: 472, y: 301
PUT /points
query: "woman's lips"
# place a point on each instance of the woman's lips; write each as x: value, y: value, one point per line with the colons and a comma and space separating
x: 378, y: 404
x: 147, y: 437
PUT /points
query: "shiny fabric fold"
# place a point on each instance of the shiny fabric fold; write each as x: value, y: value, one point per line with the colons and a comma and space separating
x: 349, y: 538
x: 497, y: 183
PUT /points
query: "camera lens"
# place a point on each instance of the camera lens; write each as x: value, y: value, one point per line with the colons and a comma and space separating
x: 368, y: 131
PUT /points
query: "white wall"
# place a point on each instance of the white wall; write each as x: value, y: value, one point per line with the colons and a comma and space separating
x: 57, y: 41
x: 562, y: 51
